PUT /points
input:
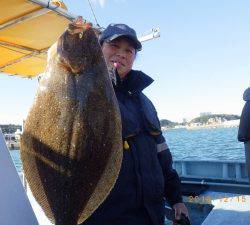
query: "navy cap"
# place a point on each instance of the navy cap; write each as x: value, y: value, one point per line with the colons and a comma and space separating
x: 114, y: 31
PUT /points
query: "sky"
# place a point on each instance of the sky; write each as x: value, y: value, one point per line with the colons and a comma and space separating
x: 201, y: 62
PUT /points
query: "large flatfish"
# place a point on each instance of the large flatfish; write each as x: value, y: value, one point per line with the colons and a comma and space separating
x: 71, y: 146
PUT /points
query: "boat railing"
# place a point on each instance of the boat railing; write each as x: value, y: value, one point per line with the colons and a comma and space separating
x: 227, y: 170
x: 214, y: 169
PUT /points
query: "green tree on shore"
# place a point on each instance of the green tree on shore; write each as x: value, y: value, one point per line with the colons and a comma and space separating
x: 10, y: 128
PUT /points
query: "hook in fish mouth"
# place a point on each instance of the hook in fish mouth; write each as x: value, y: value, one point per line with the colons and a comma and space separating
x: 79, y: 25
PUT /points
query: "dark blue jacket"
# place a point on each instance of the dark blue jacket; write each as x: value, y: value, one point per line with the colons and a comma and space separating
x: 146, y: 175
x: 244, y: 127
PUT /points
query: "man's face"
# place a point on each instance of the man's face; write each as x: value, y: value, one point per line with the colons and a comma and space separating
x: 119, y: 54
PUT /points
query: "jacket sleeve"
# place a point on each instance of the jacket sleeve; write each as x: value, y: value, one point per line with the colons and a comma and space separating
x: 244, y: 127
x: 171, y: 178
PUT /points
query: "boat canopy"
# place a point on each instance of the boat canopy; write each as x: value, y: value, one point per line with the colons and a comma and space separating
x: 27, y: 30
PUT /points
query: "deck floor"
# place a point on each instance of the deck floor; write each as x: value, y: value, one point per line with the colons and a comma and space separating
x: 229, y: 209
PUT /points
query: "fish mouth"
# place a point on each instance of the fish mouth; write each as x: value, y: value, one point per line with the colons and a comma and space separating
x: 78, y: 26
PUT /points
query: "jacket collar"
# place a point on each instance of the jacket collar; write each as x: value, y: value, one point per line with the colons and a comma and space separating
x: 134, y: 82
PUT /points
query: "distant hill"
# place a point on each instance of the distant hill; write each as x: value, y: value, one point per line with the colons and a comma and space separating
x: 168, y: 123
x: 10, y: 128
x: 216, y: 117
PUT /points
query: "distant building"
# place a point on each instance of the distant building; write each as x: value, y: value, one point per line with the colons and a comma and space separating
x: 13, y: 140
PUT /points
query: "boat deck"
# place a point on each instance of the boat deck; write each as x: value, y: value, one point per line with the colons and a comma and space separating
x: 229, y: 209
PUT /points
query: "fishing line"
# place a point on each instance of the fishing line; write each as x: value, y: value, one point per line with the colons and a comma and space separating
x: 93, y: 13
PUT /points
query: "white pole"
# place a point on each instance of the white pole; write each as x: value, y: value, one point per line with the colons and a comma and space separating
x: 155, y: 33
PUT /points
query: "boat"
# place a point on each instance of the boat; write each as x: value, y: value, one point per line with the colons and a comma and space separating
x: 15, y: 207
x: 13, y: 140
x: 215, y: 192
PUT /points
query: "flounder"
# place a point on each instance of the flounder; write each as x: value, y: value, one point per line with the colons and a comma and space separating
x: 71, y: 146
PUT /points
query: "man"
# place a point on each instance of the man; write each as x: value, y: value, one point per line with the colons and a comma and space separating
x: 244, y: 128
x: 146, y: 175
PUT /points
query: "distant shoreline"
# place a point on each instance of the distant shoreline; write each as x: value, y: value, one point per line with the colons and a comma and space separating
x: 205, y: 126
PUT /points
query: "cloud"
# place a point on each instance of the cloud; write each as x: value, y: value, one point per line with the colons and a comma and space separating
x: 101, y: 2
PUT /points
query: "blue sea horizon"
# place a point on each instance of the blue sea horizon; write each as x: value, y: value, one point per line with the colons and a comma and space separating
x: 201, y: 144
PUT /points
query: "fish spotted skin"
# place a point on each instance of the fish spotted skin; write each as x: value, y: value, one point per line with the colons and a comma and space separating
x: 71, y: 146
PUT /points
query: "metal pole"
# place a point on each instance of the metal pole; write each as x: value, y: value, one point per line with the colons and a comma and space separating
x: 155, y: 33
x: 53, y: 7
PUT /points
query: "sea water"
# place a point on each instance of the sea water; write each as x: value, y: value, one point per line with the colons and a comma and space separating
x: 205, y: 144
x: 199, y: 144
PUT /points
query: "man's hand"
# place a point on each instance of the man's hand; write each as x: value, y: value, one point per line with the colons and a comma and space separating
x: 179, y: 209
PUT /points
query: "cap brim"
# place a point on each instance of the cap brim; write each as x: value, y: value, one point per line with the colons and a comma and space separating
x: 136, y: 42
